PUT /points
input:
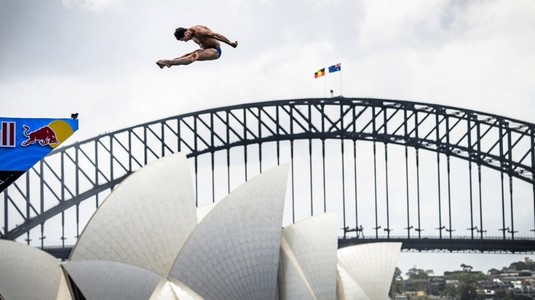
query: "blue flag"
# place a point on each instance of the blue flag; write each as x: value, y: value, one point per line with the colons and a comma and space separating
x: 335, y: 68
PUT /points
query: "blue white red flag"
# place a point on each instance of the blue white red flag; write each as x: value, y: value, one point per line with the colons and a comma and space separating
x: 335, y: 68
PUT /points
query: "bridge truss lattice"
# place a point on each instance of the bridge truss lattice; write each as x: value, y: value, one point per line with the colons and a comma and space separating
x: 423, y: 171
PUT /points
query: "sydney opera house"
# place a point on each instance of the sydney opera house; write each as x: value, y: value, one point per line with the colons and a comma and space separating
x: 148, y: 240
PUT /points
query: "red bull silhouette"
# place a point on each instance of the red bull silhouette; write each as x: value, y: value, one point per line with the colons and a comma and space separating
x: 44, y: 135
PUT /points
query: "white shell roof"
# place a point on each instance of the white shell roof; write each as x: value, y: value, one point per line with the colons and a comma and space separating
x: 371, y: 266
x: 164, y: 291
x: 29, y: 273
x: 292, y: 281
x: 347, y: 288
x: 180, y: 290
x: 112, y: 280
x: 314, y: 242
x: 144, y: 221
x: 234, y: 252
x: 148, y: 241
x: 202, y: 211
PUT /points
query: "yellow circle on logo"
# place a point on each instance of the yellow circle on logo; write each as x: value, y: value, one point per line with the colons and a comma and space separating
x: 62, y: 130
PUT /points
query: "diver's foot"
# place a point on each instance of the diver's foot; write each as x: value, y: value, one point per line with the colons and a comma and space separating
x: 161, y: 64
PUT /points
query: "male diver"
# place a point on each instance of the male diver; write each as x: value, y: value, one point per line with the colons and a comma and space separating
x: 208, y: 41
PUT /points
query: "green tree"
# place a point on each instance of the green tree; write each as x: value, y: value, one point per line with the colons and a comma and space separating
x: 466, y: 276
x: 466, y: 268
x: 397, y: 283
x: 450, y: 290
x: 415, y: 273
x: 397, y: 274
x: 493, y: 271
x: 467, y: 291
x: 527, y: 264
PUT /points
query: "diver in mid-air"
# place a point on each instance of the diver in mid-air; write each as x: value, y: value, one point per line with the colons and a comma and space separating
x: 210, y: 48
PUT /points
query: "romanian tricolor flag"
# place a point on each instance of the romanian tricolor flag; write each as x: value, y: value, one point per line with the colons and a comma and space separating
x: 319, y: 73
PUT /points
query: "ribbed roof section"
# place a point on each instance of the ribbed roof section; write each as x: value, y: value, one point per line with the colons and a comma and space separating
x: 371, y: 266
x: 29, y: 273
x: 314, y: 242
x: 112, y: 280
x: 234, y: 252
x: 146, y: 220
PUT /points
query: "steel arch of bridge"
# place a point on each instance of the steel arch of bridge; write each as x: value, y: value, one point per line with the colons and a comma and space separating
x: 90, y: 169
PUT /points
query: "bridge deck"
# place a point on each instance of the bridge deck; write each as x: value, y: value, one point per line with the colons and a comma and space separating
x: 497, y: 245
x: 431, y: 244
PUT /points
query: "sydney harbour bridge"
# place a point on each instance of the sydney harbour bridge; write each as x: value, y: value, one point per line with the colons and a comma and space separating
x: 436, y: 178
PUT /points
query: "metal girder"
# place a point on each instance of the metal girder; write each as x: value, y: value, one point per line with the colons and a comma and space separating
x: 74, y: 173
x: 450, y: 245
x: 427, y: 244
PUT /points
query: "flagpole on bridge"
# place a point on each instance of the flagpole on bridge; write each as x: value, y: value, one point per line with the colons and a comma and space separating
x: 321, y: 73
x: 337, y: 68
x: 340, y: 77
x: 324, y: 86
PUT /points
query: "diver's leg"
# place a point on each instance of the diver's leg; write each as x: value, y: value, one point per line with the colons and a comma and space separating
x: 208, y: 54
x: 201, y: 55
x: 175, y: 62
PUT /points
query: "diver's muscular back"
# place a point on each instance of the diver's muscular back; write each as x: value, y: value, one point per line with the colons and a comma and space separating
x: 204, y: 37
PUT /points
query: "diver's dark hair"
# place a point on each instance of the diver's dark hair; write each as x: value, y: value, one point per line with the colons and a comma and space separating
x: 179, y: 33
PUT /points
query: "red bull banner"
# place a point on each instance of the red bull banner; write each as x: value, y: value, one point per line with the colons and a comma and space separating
x: 23, y: 142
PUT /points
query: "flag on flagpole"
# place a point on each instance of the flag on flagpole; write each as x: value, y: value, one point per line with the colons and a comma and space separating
x: 319, y: 73
x: 335, y: 68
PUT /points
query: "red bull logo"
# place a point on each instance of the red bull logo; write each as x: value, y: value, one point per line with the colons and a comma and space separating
x: 44, y: 136
x: 25, y: 141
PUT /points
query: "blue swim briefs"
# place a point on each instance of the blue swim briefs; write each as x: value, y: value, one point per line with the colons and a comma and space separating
x: 218, y: 49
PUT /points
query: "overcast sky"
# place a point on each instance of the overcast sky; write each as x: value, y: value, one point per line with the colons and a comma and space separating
x: 97, y: 58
